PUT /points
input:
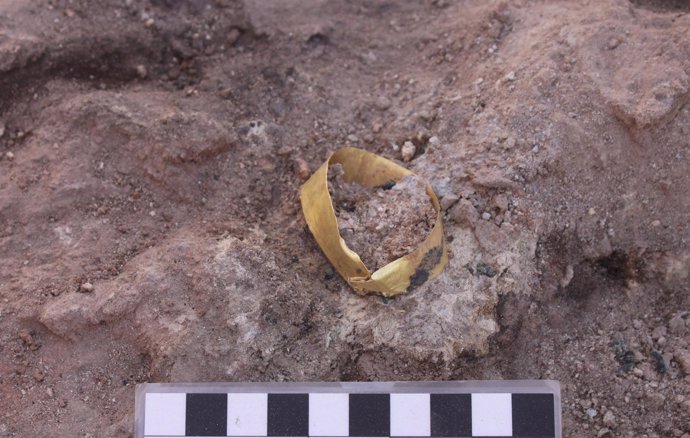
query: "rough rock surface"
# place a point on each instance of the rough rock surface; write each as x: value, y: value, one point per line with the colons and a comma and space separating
x: 154, y: 150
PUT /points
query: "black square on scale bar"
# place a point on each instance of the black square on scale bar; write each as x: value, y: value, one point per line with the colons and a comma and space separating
x: 370, y: 415
x: 451, y: 415
x: 288, y: 415
x: 207, y: 415
x: 533, y: 415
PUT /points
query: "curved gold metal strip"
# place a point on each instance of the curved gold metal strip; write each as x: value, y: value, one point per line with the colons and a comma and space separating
x: 370, y: 170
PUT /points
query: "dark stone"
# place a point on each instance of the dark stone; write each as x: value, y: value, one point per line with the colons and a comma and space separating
x: 429, y: 261
x: 485, y: 269
x: 659, y: 363
x: 387, y: 185
x: 624, y: 357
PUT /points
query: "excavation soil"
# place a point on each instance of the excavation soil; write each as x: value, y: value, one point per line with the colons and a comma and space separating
x: 151, y: 154
x: 381, y: 224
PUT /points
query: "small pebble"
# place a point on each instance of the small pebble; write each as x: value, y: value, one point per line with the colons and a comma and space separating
x: 425, y: 115
x: 352, y: 138
x: 463, y: 213
x: 609, y: 419
x: 448, y: 201
x: 38, y: 375
x: 655, y: 400
x: 233, y: 35
x: 500, y: 202
x: 510, y: 76
x: 603, y: 433
x: 486, y: 216
x: 26, y: 337
x: 302, y: 169
x: 9, y: 156
x: 591, y: 412
x: 613, y: 42
x: 408, y: 151
x: 567, y: 276
x: 382, y: 104
x: 285, y: 151
x: 142, y: 72
x: 86, y: 287
x: 637, y: 324
x: 676, y: 325
x: 225, y: 93
x: 682, y: 358
x: 648, y: 372
x: 656, y: 223
x: 659, y: 332
x: 49, y: 391
x: 535, y: 149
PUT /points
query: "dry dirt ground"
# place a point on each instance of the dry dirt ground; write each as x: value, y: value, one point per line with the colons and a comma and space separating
x: 151, y: 153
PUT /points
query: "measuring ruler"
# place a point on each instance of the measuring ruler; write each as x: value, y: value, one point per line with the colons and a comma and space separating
x: 468, y: 409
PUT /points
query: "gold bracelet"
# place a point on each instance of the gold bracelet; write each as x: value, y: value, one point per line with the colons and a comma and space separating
x: 370, y: 170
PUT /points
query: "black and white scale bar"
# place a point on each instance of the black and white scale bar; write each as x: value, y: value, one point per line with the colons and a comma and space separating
x: 516, y: 409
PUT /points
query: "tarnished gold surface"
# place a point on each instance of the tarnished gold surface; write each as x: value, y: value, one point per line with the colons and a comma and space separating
x: 369, y: 170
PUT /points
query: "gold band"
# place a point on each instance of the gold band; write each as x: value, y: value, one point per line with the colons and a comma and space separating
x: 369, y: 170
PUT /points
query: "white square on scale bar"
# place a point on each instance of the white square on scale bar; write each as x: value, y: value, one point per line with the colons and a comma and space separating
x: 165, y: 413
x: 410, y: 415
x: 328, y: 415
x: 492, y: 415
x: 247, y: 414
